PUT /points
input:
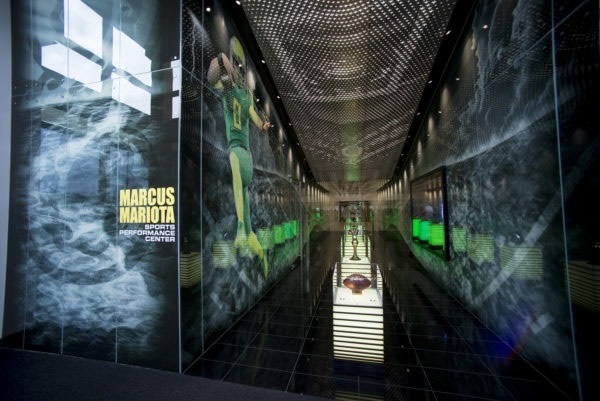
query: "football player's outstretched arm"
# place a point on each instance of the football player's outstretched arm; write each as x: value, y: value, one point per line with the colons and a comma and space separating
x: 261, y: 124
x: 219, y: 71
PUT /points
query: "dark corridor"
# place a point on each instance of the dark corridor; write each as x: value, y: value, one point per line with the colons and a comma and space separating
x: 433, y: 349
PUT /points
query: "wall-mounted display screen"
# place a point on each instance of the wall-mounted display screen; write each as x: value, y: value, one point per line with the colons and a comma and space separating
x: 429, y: 212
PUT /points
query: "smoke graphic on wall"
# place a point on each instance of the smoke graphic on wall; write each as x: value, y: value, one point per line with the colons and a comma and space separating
x: 80, y: 274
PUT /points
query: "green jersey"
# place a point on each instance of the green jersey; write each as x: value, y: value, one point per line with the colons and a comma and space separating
x: 236, y: 105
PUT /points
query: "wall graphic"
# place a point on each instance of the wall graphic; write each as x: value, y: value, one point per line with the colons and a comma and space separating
x: 94, y: 223
x: 242, y: 186
x: 512, y: 122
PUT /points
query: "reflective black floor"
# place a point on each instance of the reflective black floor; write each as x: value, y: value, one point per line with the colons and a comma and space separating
x: 432, y: 348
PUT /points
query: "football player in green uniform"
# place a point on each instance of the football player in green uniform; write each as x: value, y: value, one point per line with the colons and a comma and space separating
x: 228, y: 74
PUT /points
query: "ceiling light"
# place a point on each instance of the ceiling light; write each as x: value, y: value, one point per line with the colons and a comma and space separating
x: 448, y: 33
x: 429, y: 82
x: 262, y: 61
x: 457, y: 78
x: 207, y: 9
x: 485, y: 26
x: 238, y: 2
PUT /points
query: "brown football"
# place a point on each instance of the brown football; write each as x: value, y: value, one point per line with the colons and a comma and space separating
x: 357, y: 282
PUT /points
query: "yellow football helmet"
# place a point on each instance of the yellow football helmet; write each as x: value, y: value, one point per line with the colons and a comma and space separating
x: 237, y: 56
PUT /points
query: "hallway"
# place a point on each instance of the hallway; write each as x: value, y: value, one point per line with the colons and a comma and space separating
x: 286, y: 342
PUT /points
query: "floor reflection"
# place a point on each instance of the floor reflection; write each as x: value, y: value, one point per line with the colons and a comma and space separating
x: 313, y: 335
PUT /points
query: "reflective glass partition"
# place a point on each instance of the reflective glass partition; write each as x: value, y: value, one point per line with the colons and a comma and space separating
x: 93, y: 237
x: 244, y: 217
x: 512, y: 119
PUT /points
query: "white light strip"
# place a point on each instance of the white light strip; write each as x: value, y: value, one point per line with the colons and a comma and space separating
x: 375, y: 335
x: 360, y: 342
x: 83, y: 26
x: 366, y: 349
x: 349, y: 355
x: 176, y: 107
x: 360, y: 323
x: 359, y: 310
x: 129, y: 56
x: 358, y: 319
x: 134, y: 96
x: 71, y: 64
x: 363, y: 332
x: 176, y: 66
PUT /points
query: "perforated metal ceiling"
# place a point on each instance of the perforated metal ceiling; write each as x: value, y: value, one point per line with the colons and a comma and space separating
x: 350, y: 74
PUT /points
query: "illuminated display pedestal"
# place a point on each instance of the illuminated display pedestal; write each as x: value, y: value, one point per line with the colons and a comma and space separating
x: 358, y: 317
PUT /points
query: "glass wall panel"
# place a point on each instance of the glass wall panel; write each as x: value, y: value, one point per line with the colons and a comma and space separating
x: 512, y: 123
x: 93, y: 237
x: 242, y: 188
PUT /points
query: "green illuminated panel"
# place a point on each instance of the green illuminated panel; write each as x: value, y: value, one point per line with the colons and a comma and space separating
x: 288, y: 230
x: 190, y: 269
x: 416, y: 223
x: 265, y: 238
x: 223, y: 254
x: 522, y: 261
x: 584, y: 282
x: 278, y: 234
x: 436, y: 235
x: 424, y: 230
x: 480, y: 248
x: 459, y: 239
x: 295, y: 227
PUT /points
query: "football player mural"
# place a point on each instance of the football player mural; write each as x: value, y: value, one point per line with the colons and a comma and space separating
x: 228, y: 75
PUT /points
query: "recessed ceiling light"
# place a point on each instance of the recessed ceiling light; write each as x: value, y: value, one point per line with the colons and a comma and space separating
x: 262, y: 61
x: 429, y: 82
x: 448, y: 33
x: 485, y: 26
x: 238, y: 2
x: 457, y: 78
x: 207, y: 9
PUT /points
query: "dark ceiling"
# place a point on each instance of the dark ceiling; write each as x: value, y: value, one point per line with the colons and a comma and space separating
x: 352, y: 75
